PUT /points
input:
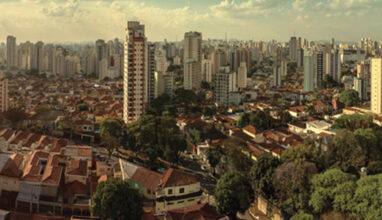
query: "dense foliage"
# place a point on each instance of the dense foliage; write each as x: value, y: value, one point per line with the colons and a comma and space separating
x: 115, y: 199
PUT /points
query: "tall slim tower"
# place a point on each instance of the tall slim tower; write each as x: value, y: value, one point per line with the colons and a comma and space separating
x: 376, y: 85
x: 135, y: 73
x: 308, y: 72
x: 293, y: 48
x: 11, y: 51
x: 192, y: 60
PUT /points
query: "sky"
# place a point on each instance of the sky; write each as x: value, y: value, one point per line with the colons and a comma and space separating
x: 88, y: 20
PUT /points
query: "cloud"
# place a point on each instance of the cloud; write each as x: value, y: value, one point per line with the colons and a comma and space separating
x: 62, y: 9
x: 246, y: 9
x: 299, y: 5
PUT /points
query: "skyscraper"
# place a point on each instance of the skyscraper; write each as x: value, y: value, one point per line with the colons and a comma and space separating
x: 192, y: 60
x: 11, y: 52
x: 376, y: 85
x: 276, y: 75
x: 225, y: 82
x: 242, y: 75
x: 151, y: 67
x: 135, y: 73
x: 4, y: 95
x: 308, y: 72
x: 333, y: 65
x: 101, y: 53
x: 318, y: 68
x: 293, y: 49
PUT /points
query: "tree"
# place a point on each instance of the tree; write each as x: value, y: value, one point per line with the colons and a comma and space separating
x: 82, y: 107
x: 368, y: 197
x: 353, y: 122
x: 205, y: 85
x: 116, y: 199
x: 15, y: 115
x: 292, y: 186
x: 304, y: 153
x: 262, y: 120
x: 110, y: 132
x: 261, y: 175
x: 302, y: 216
x: 332, y: 190
x: 233, y: 194
x: 350, y: 98
x: 234, y: 158
x: 160, y: 102
x: 196, y: 136
x: 185, y: 96
x: 244, y: 120
x: 370, y: 143
x: 345, y: 153
x: 213, y: 156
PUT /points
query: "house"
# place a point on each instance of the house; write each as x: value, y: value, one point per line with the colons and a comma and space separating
x: 6, y: 135
x: 197, y: 212
x: 146, y: 181
x: 297, y: 126
x: 256, y: 134
x: 318, y: 126
x: 178, y: 189
x: 10, y: 171
x: 297, y: 111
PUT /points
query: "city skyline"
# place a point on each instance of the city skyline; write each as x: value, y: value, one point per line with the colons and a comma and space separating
x: 80, y: 20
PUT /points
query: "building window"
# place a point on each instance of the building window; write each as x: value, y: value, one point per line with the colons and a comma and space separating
x: 179, y: 202
x: 5, y: 182
x: 181, y: 190
x: 148, y: 191
x: 169, y: 191
x: 170, y: 203
x: 190, y: 200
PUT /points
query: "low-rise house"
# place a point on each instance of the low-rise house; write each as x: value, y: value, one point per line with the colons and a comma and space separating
x: 318, y: 126
x: 6, y: 135
x: 146, y: 181
x: 197, y: 212
x: 178, y: 189
x: 256, y: 134
x: 11, y: 166
x: 297, y: 111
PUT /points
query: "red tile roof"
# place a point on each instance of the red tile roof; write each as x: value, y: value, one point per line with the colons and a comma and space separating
x: 178, y: 178
x: 147, y: 178
x: 77, y: 167
x: 196, y: 212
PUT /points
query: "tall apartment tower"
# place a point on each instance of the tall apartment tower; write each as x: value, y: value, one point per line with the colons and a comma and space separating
x: 225, y: 83
x: 333, y: 65
x: 11, y: 52
x: 100, y: 47
x: 135, y: 73
x: 151, y: 68
x: 308, y: 72
x: 376, y: 85
x: 318, y: 68
x: 4, y: 95
x: 192, y: 60
x: 293, y: 48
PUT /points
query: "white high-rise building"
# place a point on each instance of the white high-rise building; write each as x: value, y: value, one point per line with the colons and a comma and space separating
x: 276, y: 75
x: 207, y: 70
x: 163, y: 84
x: 376, y: 85
x: 308, y: 72
x: 135, y: 73
x: 333, y: 65
x: 242, y: 75
x: 192, y: 60
x: 11, y: 52
x: 225, y: 83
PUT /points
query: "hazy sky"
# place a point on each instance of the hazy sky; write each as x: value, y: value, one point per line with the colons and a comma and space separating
x: 88, y: 20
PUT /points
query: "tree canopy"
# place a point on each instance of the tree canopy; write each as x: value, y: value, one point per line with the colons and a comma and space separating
x: 116, y: 199
x: 232, y: 194
x: 350, y: 98
x: 353, y: 122
x: 261, y: 175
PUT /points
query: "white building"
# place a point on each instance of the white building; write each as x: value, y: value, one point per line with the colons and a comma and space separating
x: 135, y: 73
x: 192, y: 60
x: 207, y: 70
x: 242, y: 75
x: 163, y: 84
x: 333, y: 65
x: 308, y: 72
x: 376, y: 85
x: 225, y: 83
